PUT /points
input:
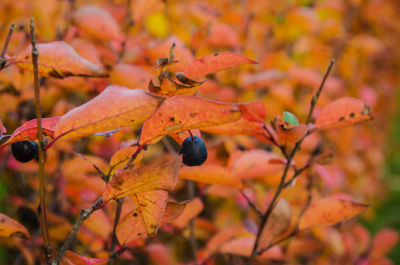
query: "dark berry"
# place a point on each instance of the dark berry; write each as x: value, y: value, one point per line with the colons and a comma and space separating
x: 194, y: 151
x: 24, y: 151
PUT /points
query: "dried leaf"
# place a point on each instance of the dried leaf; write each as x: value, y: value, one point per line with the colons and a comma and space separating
x: 329, y: 211
x: 97, y: 23
x: 10, y: 228
x: 147, y: 178
x: 343, y: 112
x: 214, y: 62
x: 211, y: 174
x: 114, y: 108
x: 58, y: 59
x: 150, y: 207
x: 187, y: 112
x: 28, y: 131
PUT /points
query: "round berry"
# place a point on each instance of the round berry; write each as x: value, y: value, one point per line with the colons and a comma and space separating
x: 24, y: 151
x: 194, y: 151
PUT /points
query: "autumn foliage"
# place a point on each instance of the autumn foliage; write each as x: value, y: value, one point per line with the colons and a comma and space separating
x: 285, y: 94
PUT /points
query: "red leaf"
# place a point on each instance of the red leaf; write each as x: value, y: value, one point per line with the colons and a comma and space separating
x: 28, y: 131
x: 215, y: 62
x: 211, y: 174
x: 343, y: 112
x: 384, y: 241
x: 187, y: 112
x: 114, y: 108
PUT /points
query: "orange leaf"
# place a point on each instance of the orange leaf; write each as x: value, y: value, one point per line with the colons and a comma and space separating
x: 277, y: 224
x: 159, y: 254
x: 75, y: 259
x: 211, y: 174
x: 9, y: 227
x: 58, y: 59
x: 256, y: 164
x: 192, y: 209
x: 291, y: 135
x: 114, y: 108
x: 150, y: 207
x: 154, y: 177
x: 187, y: 112
x: 343, y: 112
x: 123, y: 155
x: 97, y: 23
x: 223, y: 236
x: 329, y: 211
x: 214, y: 62
x: 28, y: 131
x: 131, y: 226
x: 130, y: 76
x: 240, y: 127
x: 243, y: 246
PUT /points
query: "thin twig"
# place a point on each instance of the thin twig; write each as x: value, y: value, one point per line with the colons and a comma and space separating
x: 42, y: 185
x: 82, y: 217
x: 282, y: 184
x: 251, y: 204
x: 114, y: 239
x: 3, y: 61
x: 193, y: 243
x: 314, y: 99
x: 10, y: 32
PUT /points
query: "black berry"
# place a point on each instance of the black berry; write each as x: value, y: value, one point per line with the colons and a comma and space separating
x: 24, y: 151
x: 194, y: 151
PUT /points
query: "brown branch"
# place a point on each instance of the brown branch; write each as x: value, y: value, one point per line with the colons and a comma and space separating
x: 193, y: 243
x: 42, y: 185
x: 283, y: 184
x: 114, y: 239
x: 82, y: 217
x: 251, y: 204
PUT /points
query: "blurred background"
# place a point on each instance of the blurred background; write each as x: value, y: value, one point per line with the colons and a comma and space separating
x: 293, y: 42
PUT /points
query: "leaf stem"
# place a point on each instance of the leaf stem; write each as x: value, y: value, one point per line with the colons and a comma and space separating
x: 42, y: 185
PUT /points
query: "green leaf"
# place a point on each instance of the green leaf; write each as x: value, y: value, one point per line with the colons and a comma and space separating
x: 290, y: 118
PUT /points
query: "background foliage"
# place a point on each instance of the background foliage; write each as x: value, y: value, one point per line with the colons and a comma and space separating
x: 292, y: 41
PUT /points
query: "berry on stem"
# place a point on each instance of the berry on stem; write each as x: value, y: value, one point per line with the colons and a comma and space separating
x: 24, y: 151
x: 194, y: 151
